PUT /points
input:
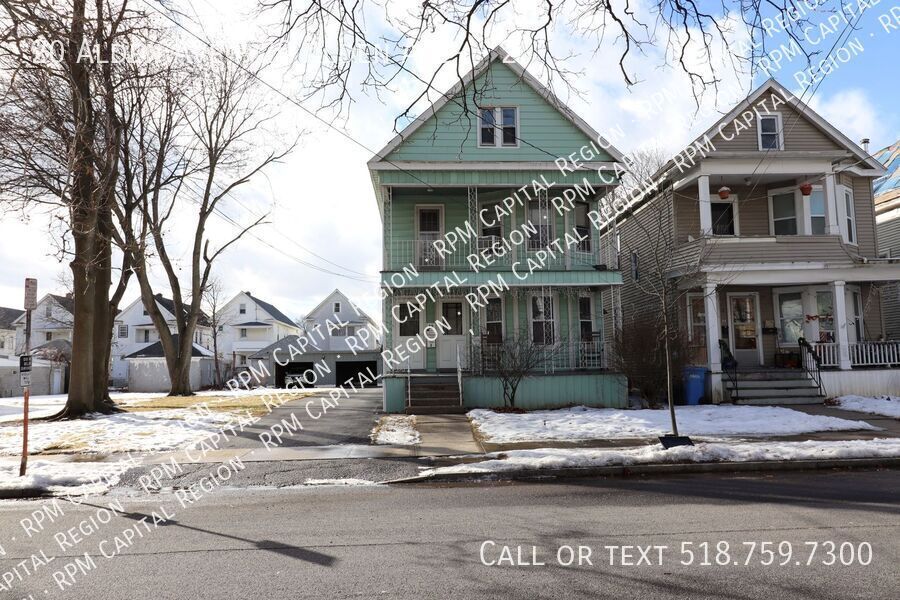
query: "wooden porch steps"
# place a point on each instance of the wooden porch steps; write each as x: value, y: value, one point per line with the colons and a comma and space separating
x: 773, y: 386
x: 434, y: 395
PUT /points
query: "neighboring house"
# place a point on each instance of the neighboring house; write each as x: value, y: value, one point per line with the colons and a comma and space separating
x: 246, y: 326
x: 887, y: 218
x: 47, y: 377
x: 491, y: 141
x: 8, y: 317
x: 787, y: 251
x: 147, y: 370
x: 339, y: 344
x: 134, y: 330
x: 51, y: 320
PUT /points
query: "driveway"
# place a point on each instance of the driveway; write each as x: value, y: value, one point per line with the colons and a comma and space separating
x: 349, y: 423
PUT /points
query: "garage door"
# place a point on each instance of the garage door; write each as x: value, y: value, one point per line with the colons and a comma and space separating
x: 353, y: 370
x: 294, y: 371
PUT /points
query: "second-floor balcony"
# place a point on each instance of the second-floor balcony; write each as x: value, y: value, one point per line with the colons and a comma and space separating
x: 495, y: 253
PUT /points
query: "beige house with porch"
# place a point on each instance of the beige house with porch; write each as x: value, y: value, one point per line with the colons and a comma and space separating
x: 768, y: 226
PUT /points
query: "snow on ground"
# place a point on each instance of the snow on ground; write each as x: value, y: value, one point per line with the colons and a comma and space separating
x: 74, y: 478
x: 888, y: 406
x: 396, y: 429
x: 558, y: 458
x: 582, y: 423
x: 151, y: 431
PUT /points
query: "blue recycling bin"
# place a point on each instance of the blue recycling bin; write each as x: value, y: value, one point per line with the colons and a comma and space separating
x: 694, y: 379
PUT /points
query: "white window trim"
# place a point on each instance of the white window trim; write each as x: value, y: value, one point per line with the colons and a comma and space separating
x: 123, y: 327
x: 498, y: 127
x: 242, y: 332
x: 443, y: 223
x: 799, y: 212
x: 807, y: 210
x: 690, y: 321
x: 813, y: 289
x: 847, y: 218
x: 779, y: 126
x: 555, y: 304
x: 336, y: 304
x: 735, y: 203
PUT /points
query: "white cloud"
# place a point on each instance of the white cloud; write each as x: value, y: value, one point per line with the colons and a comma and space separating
x: 853, y: 113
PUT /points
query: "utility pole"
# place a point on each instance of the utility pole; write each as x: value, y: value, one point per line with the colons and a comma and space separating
x: 25, y: 367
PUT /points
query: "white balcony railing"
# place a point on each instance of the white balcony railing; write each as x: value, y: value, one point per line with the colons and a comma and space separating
x: 828, y: 353
x: 485, y: 251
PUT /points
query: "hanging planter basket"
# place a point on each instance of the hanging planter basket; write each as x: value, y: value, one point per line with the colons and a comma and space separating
x: 806, y: 189
x: 724, y: 192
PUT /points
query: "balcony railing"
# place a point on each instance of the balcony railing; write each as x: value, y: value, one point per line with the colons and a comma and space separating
x: 561, y: 356
x: 426, y: 255
x: 862, y: 354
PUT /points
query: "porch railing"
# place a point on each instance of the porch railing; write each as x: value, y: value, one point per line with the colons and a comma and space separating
x: 561, y: 356
x: 862, y: 354
x: 875, y: 354
x: 425, y: 254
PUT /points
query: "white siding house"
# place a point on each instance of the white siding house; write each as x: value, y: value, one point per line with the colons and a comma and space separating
x: 8, y: 330
x: 134, y: 331
x: 51, y: 320
x: 246, y: 326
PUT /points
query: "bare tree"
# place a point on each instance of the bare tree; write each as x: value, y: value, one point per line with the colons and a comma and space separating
x: 214, y: 300
x: 516, y: 358
x: 59, y: 141
x: 337, y: 49
x: 205, y: 121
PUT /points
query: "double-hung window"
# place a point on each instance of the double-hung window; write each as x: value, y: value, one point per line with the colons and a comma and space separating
x: 817, y: 212
x: 493, y: 321
x: 123, y: 331
x: 784, y: 214
x: 542, y: 324
x: 498, y: 126
x: 770, y: 133
x: 850, y: 210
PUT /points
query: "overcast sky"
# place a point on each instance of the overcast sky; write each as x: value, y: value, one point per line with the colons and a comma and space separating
x: 320, y: 198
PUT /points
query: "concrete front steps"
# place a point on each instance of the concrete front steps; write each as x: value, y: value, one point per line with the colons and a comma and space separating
x: 434, y: 395
x: 773, y: 386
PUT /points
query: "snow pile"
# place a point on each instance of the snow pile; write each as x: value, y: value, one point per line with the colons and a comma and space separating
x: 74, y: 478
x: 582, y: 423
x: 396, y: 429
x: 888, y: 406
x: 559, y: 458
x: 151, y: 431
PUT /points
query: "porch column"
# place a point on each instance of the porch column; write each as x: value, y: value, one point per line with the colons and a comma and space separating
x: 705, y: 206
x: 713, y: 332
x: 810, y: 328
x: 839, y: 296
x: 832, y: 222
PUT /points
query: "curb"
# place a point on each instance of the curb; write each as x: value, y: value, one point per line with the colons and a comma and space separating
x: 24, y: 493
x: 661, y: 469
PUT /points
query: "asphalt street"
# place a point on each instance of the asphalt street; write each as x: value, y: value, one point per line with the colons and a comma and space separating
x: 426, y: 541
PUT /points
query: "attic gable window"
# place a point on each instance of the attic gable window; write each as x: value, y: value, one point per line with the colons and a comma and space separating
x: 770, y: 132
x: 499, y: 127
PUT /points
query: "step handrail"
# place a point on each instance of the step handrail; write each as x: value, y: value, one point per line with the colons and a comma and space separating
x: 459, y: 375
x: 729, y: 367
x: 811, y: 363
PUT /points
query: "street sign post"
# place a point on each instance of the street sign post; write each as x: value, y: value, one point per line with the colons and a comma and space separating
x: 25, y: 367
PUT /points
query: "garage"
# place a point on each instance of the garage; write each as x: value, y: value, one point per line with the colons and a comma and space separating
x: 352, y: 370
x: 303, y: 371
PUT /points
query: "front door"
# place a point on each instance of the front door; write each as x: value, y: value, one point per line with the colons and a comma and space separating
x: 430, y: 229
x: 408, y: 345
x: 744, y: 332
x: 453, y: 339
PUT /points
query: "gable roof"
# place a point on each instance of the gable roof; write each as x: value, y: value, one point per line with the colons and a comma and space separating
x: 272, y: 310
x: 169, y: 305
x: 155, y: 350
x: 494, y: 55
x: 67, y: 303
x: 8, y: 315
x: 794, y: 102
x: 356, y: 308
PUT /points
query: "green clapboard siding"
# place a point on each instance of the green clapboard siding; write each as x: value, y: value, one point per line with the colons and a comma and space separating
x: 544, y: 132
x: 550, y: 391
x: 538, y: 278
x: 394, y: 394
x: 516, y: 178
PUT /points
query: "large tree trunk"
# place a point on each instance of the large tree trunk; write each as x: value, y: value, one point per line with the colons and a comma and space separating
x: 180, y: 373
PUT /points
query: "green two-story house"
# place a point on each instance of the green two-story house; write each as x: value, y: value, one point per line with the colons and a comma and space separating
x: 489, y: 203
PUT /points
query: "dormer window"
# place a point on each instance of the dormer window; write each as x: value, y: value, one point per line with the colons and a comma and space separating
x: 499, y: 127
x: 770, y: 132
